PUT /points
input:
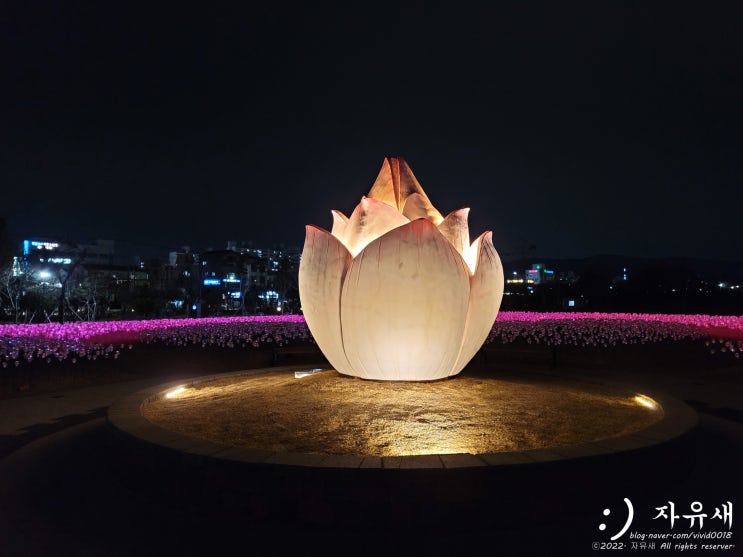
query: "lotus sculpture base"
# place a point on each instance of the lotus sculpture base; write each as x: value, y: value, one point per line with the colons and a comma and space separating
x: 322, y: 446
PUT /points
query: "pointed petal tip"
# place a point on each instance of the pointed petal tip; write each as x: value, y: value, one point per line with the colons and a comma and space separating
x: 313, y: 228
x: 486, y: 236
x: 461, y: 213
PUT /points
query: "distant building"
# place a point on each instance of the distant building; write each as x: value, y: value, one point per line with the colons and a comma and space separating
x: 222, y: 274
x: 623, y: 277
x: 44, y: 255
x: 100, y: 253
x: 269, y: 276
x: 538, y: 274
x: 568, y: 277
x: 182, y: 258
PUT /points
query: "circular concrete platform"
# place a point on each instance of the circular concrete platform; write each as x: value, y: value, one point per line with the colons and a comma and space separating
x: 503, y: 486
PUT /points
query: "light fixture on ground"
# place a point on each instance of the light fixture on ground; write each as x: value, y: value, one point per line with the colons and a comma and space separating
x: 396, y: 291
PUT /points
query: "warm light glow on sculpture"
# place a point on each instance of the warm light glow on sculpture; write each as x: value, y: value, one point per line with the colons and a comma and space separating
x: 396, y: 291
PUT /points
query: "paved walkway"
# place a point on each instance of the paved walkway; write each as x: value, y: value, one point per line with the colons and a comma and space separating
x: 58, y: 496
x: 25, y: 419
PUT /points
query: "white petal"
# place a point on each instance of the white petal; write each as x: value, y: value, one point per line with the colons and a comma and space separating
x: 370, y: 220
x: 404, y: 305
x: 486, y: 294
x: 322, y: 269
x: 340, y: 223
x: 418, y: 206
x: 455, y: 229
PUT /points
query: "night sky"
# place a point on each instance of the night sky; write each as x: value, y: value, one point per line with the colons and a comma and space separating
x: 602, y: 128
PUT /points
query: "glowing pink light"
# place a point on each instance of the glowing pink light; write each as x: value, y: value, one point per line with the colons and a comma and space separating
x: 73, y: 341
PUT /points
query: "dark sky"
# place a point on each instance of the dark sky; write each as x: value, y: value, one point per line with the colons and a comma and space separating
x: 602, y: 128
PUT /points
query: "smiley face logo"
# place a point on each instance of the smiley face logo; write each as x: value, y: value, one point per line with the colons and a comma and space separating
x: 630, y: 516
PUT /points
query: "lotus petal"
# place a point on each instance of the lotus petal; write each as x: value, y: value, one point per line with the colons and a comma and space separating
x: 395, y: 183
x: 455, y: 229
x: 486, y: 293
x: 323, y: 266
x: 417, y: 207
x: 370, y: 220
x: 404, y: 305
x: 340, y: 222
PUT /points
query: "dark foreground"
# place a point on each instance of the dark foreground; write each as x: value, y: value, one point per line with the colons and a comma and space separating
x: 62, y: 493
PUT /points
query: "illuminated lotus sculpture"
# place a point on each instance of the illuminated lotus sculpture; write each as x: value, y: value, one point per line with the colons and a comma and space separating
x: 396, y: 292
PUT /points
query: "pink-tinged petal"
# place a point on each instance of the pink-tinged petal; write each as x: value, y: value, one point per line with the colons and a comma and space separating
x: 322, y: 269
x: 418, y: 206
x: 340, y: 223
x: 370, y: 220
x: 404, y: 305
x: 455, y: 229
x: 486, y: 293
x: 395, y: 183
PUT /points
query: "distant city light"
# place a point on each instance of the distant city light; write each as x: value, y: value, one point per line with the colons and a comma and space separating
x: 44, y: 245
